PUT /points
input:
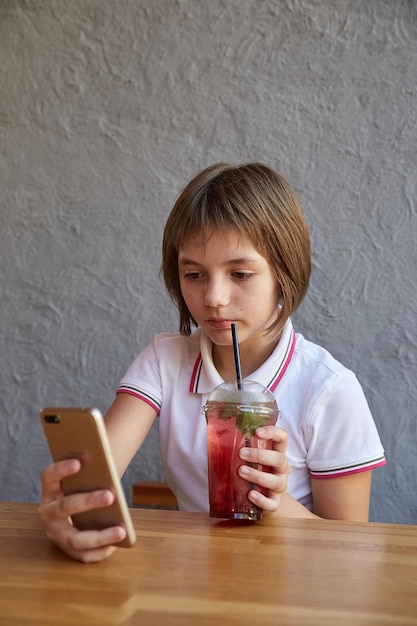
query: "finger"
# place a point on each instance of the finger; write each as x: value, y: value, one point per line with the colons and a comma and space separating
x: 272, y: 482
x: 278, y: 435
x: 94, y: 556
x: 89, y: 546
x: 90, y: 540
x: 54, y: 473
x: 263, y: 502
x: 64, y: 507
x: 269, y: 458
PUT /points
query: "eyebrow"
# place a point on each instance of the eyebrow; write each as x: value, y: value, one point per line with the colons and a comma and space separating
x: 184, y: 261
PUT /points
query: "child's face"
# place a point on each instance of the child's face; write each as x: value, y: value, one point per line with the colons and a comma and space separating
x: 225, y: 280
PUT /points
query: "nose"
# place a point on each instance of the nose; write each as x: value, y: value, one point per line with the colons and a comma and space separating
x: 216, y: 293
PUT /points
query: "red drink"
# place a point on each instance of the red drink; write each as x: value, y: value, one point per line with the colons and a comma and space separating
x: 232, y: 417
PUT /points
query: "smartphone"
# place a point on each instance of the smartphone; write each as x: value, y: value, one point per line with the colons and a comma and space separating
x: 80, y: 433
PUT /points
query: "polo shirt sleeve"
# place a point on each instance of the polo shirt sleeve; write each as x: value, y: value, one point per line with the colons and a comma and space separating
x: 340, y: 431
x: 143, y: 378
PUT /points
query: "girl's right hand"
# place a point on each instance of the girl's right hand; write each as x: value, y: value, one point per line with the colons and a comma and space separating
x: 55, y: 512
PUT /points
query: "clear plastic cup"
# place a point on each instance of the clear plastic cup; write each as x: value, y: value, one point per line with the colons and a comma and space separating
x: 232, y: 416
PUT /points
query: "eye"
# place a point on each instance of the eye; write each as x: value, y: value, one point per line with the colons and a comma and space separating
x: 192, y: 275
x: 242, y: 275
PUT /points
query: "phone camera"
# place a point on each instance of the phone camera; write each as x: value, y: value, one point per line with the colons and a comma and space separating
x: 52, y: 419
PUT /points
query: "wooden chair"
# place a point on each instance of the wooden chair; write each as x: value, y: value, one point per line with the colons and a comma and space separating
x: 153, y: 495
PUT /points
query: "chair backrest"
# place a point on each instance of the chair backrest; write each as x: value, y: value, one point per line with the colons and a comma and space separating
x: 153, y: 495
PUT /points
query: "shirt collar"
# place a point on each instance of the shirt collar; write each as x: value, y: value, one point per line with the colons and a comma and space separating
x: 205, y: 377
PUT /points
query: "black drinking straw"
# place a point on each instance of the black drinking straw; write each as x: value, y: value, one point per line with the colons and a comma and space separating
x: 255, y: 511
x: 237, y: 357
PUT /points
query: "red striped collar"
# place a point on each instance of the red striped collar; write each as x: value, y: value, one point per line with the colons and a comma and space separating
x: 289, y: 351
x: 283, y: 351
x: 195, y: 376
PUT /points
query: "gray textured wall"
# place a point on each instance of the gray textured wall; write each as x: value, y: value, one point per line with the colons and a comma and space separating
x: 108, y: 108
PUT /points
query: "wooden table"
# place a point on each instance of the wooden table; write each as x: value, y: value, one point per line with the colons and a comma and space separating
x: 191, y: 570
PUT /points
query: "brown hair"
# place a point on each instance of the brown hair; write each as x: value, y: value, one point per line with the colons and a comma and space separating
x: 258, y: 202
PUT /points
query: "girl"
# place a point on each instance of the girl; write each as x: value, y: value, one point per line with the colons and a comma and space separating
x: 236, y: 249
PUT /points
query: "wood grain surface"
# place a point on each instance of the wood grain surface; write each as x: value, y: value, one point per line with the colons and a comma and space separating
x: 189, y: 569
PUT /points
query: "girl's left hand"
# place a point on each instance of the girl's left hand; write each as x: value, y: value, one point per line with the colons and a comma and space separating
x: 275, y: 481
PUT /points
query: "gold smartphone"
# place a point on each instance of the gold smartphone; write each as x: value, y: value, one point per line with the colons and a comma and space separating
x: 80, y: 433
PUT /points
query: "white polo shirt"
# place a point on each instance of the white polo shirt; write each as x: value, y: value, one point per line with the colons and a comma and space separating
x: 331, y: 431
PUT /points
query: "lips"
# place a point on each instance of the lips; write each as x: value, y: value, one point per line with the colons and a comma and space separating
x: 219, y: 323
